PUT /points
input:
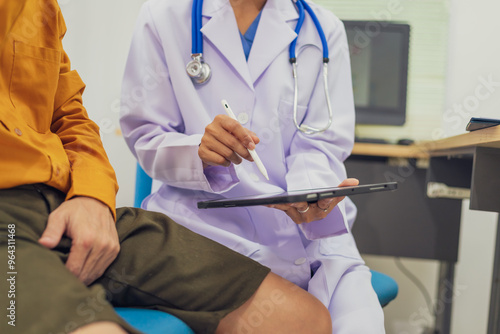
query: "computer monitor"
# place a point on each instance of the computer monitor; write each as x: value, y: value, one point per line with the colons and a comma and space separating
x: 379, y: 64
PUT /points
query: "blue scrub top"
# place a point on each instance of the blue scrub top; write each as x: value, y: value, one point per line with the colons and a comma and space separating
x: 247, y: 39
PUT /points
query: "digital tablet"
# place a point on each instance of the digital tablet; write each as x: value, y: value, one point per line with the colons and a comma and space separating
x: 309, y: 195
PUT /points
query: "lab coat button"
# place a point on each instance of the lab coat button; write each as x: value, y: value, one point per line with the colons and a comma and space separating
x: 300, y: 261
x: 243, y: 118
x: 254, y: 177
x: 18, y: 132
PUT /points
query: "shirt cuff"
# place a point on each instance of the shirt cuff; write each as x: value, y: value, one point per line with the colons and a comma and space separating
x: 94, y: 185
x: 221, y: 179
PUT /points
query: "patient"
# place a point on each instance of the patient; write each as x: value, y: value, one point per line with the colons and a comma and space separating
x: 71, y: 256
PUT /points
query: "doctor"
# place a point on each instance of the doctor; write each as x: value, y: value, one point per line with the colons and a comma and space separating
x: 178, y: 131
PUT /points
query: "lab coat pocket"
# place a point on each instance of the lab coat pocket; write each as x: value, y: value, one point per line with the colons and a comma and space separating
x: 34, y: 83
x: 285, y: 111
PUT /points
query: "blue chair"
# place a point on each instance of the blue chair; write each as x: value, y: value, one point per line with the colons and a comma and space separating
x: 143, y: 184
x: 152, y: 321
x: 156, y: 322
x: 385, y: 287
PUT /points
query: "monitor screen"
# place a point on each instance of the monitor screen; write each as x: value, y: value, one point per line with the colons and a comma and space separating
x: 379, y: 65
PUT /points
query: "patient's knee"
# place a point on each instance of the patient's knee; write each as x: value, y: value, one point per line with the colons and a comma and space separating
x: 320, y: 320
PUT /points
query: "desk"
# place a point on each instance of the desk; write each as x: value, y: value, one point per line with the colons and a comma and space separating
x: 409, y: 223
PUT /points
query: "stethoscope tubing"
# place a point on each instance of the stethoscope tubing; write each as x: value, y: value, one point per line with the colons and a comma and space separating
x: 196, y: 24
x: 198, y: 28
x: 318, y: 28
x: 302, y: 6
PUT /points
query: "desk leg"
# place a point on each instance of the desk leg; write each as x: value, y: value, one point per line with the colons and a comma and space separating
x: 445, y: 298
x: 494, y: 317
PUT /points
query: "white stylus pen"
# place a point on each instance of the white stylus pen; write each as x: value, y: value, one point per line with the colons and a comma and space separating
x: 254, y: 155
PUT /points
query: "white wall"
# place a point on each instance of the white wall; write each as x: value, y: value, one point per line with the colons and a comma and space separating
x: 98, y: 38
x: 474, y: 57
x: 97, y: 41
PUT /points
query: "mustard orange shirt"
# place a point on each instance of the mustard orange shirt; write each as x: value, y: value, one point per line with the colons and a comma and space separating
x: 45, y: 133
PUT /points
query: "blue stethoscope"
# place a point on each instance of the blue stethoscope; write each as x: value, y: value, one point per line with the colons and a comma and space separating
x: 200, y: 71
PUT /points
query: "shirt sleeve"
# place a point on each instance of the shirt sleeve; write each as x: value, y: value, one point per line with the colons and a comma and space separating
x: 321, y: 156
x: 152, y: 123
x: 91, y: 173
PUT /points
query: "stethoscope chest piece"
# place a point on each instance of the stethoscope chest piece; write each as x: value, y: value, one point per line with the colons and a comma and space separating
x: 198, y: 70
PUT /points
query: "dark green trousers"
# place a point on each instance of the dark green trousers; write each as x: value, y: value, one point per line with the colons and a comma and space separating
x: 161, y: 265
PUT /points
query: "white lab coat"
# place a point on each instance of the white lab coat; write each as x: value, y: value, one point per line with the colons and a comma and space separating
x: 163, y: 118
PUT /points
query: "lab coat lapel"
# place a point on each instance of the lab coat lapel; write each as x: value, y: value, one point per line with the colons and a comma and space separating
x: 222, y: 31
x: 274, y: 35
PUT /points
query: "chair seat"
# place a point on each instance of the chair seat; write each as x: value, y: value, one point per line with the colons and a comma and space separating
x: 157, y: 322
x: 153, y: 321
x: 385, y: 287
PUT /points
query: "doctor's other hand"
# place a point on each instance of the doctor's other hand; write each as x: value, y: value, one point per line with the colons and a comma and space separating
x: 303, y: 212
x: 226, y: 141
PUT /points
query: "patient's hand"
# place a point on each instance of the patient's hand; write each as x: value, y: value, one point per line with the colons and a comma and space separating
x: 91, y: 227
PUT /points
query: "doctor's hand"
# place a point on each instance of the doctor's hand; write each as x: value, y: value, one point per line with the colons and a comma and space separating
x: 303, y: 212
x: 92, y: 230
x: 226, y: 141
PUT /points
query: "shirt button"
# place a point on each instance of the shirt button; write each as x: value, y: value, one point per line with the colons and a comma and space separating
x: 254, y: 177
x: 300, y: 261
x: 18, y: 132
x: 243, y: 117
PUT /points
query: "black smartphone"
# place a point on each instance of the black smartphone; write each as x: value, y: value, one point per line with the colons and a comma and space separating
x: 477, y: 123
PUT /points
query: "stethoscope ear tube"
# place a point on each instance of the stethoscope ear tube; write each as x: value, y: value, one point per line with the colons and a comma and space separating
x: 309, y: 130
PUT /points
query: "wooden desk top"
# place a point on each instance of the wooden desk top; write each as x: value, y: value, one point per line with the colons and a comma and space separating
x: 461, y: 144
